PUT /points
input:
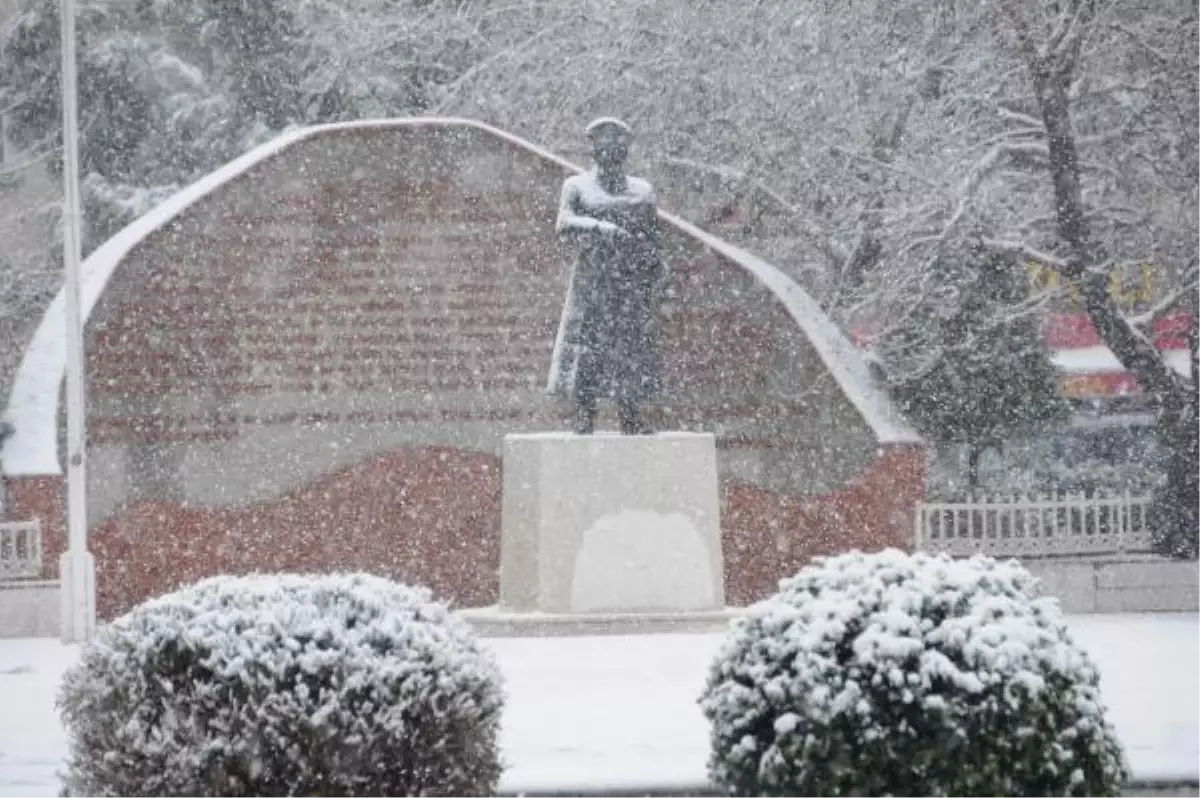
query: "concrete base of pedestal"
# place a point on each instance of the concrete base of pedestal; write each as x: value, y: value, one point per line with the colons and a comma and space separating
x: 610, y: 524
x: 495, y: 622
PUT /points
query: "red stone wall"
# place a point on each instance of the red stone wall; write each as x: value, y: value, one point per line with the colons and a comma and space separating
x: 432, y: 517
x: 769, y: 535
x: 313, y: 368
x: 405, y: 516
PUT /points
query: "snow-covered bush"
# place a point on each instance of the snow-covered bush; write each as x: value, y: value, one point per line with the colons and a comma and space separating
x: 891, y: 674
x: 284, y: 685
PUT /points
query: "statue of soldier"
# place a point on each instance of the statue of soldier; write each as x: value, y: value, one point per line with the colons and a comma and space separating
x: 607, y: 344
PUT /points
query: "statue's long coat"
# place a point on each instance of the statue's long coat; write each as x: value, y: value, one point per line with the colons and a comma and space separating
x: 607, y: 343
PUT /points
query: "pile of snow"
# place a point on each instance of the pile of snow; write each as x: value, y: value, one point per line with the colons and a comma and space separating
x: 284, y: 685
x: 891, y: 674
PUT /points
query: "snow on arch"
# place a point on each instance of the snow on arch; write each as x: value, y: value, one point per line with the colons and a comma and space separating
x: 844, y: 361
x: 33, y: 405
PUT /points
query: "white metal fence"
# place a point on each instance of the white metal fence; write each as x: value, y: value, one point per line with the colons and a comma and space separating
x: 1032, y: 526
x: 20, y: 549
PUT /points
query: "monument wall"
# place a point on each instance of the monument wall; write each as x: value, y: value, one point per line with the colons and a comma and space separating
x: 311, y: 365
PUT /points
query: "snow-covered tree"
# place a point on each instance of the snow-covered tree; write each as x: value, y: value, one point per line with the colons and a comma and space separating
x: 897, y: 674
x: 169, y: 91
x: 973, y: 367
x: 877, y: 127
x: 284, y: 685
x: 1053, y: 39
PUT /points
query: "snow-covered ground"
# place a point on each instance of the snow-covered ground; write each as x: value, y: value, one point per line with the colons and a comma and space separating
x: 621, y: 711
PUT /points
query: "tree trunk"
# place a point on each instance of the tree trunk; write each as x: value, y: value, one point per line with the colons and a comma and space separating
x: 1134, y: 352
x: 973, y: 466
x: 1177, y: 512
x: 1178, y: 502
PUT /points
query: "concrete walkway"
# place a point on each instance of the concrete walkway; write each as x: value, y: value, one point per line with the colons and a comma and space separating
x: 612, y: 715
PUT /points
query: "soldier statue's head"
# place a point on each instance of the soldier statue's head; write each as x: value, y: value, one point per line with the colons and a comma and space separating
x: 610, y: 143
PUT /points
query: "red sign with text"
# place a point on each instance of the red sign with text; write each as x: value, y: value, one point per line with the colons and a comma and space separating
x: 1075, y: 331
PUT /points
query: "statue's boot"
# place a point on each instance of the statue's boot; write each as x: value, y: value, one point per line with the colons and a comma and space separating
x: 585, y: 416
x: 631, y: 419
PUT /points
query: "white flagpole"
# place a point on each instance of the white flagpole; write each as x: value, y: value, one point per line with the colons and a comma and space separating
x: 76, y: 567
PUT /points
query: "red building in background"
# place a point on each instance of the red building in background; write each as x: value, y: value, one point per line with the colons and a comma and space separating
x: 1091, y: 371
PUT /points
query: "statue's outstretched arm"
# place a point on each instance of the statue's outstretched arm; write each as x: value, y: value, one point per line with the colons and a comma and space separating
x: 572, y: 225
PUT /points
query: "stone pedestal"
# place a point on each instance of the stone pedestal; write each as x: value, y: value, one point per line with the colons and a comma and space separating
x: 610, y: 529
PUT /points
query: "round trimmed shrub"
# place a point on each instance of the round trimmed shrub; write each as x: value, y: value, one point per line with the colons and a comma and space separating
x: 897, y: 674
x: 284, y: 685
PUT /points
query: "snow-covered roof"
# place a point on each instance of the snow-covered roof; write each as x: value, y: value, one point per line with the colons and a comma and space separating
x: 33, y: 405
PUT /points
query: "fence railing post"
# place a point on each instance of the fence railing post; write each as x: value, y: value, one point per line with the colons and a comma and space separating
x: 1017, y: 525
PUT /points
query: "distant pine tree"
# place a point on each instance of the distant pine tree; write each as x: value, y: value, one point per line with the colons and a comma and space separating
x: 968, y: 368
